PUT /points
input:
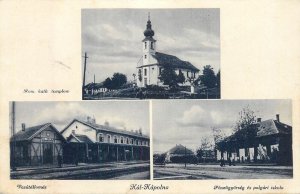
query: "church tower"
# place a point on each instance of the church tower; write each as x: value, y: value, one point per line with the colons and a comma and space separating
x: 148, y: 43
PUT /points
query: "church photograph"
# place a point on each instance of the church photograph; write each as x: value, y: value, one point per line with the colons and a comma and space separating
x: 222, y: 139
x: 150, y: 54
x: 80, y: 140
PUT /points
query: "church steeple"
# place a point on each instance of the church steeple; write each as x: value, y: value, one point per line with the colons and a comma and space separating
x: 149, y: 46
x: 149, y: 33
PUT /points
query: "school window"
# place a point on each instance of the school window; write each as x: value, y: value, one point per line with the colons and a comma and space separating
x: 115, y: 139
x: 132, y: 141
x: 127, y: 140
x: 101, y: 138
x: 122, y: 140
x: 108, y: 138
x: 137, y: 142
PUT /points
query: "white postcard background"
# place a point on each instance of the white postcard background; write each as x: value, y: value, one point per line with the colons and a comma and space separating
x: 260, y: 59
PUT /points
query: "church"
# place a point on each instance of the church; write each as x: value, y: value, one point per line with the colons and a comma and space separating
x: 152, y: 63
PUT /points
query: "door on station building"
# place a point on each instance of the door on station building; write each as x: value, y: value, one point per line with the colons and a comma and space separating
x: 47, y: 153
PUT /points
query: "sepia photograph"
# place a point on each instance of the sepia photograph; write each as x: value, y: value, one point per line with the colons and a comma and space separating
x: 222, y: 139
x: 150, y: 53
x: 80, y: 140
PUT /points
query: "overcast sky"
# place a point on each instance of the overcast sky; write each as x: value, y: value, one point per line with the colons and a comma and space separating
x: 112, y: 38
x: 120, y: 114
x: 186, y: 122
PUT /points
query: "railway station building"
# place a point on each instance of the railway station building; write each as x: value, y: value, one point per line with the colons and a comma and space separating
x: 79, y: 142
x: 91, y: 142
x: 38, y: 145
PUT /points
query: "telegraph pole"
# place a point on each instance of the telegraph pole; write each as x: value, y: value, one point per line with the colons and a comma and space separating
x: 13, y: 120
x: 184, y: 156
x: 94, y: 79
x: 84, y: 70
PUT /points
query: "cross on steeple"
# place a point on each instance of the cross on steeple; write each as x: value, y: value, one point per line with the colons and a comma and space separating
x: 148, y: 16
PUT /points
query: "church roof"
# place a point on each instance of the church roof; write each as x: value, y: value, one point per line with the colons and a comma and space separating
x: 173, y: 61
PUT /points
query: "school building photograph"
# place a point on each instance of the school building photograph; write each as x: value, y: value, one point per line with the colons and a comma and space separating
x: 226, y: 139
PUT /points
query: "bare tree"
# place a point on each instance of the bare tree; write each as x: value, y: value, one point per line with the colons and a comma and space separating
x: 246, y: 119
x: 205, y: 146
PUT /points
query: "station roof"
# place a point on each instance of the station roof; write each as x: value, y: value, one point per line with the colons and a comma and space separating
x: 31, y: 132
x: 107, y: 128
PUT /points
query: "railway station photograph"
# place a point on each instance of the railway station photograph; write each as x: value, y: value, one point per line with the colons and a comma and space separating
x: 80, y: 140
x: 225, y: 139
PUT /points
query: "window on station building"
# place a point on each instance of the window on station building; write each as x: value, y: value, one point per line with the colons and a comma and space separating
x: 145, y: 45
x: 115, y: 139
x: 108, y: 138
x: 101, y: 138
x: 127, y: 140
x: 122, y: 140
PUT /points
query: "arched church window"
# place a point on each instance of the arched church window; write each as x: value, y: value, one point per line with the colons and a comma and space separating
x: 115, y: 139
x: 140, y: 75
x: 122, y: 141
x: 127, y: 140
x: 101, y: 138
x: 145, y: 45
x: 160, y: 70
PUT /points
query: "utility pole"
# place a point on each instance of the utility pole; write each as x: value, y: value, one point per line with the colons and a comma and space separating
x: 94, y: 79
x: 84, y: 70
x: 184, y: 156
x: 13, y: 163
